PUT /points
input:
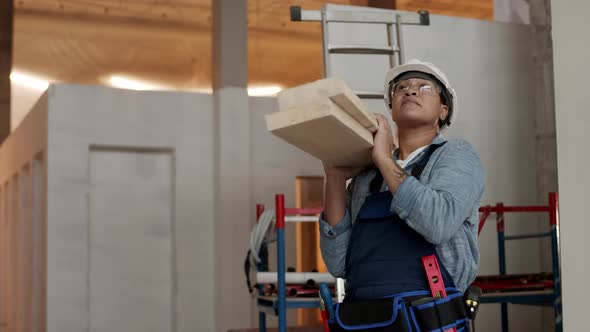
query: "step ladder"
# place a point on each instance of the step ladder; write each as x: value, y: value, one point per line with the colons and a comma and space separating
x: 393, y: 47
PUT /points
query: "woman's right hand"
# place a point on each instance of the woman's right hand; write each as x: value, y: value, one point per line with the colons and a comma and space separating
x: 335, y: 191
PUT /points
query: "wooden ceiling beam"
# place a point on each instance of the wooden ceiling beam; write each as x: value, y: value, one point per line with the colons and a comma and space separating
x: 6, y: 35
x: 169, y: 42
x: 480, y: 9
x: 183, y: 12
x: 36, y: 18
x: 384, y: 4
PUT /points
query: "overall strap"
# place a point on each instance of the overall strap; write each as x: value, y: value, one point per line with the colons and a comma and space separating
x: 377, y: 182
x: 421, y: 164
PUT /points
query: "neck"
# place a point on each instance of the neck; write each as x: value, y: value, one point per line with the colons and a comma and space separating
x: 412, y: 139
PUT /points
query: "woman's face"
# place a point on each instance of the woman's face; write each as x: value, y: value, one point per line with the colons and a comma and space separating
x: 416, y: 102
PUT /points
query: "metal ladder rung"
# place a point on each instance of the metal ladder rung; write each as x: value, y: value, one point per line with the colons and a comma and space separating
x: 362, y: 49
x: 422, y: 18
x: 369, y: 94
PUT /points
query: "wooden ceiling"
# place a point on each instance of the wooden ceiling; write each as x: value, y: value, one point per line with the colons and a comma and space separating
x: 169, y: 41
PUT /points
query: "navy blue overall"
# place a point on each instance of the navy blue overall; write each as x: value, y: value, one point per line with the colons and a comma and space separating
x: 384, y: 253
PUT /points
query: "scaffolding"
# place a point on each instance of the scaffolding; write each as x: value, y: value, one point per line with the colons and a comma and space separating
x: 279, y: 304
x: 531, y: 289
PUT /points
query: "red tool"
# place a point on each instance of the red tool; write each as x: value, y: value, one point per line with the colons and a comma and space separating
x: 324, y: 314
x: 515, y: 282
x: 435, y: 280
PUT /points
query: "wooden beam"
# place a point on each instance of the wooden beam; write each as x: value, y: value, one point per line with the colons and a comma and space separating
x: 6, y: 28
x: 177, y: 12
x: 385, y: 4
x: 478, y: 9
x: 308, y: 112
x: 167, y: 42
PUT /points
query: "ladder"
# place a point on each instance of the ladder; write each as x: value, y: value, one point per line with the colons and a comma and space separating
x: 392, y: 48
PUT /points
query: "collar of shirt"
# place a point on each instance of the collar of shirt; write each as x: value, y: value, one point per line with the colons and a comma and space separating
x: 438, y: 140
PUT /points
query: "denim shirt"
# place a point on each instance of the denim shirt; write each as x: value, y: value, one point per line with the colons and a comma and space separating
x: 442, y: 205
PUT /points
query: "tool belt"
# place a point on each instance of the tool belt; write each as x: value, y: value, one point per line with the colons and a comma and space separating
x: 407, y: 312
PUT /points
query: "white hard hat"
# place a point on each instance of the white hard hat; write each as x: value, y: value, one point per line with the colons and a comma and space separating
x: 424, y: 67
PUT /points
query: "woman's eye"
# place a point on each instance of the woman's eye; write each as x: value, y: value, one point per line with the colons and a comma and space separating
x: 425, y: 88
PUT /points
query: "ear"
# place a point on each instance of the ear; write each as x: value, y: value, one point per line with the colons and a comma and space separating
x: 444, y: 112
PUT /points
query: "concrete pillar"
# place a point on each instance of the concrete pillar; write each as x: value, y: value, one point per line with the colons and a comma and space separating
x: 545, y: 140
x: 512, y: 11
x: 230, y: 44
x: 6, y: 31
x: 232, y: 163
x: 570, y: 26
x: 544, y: 98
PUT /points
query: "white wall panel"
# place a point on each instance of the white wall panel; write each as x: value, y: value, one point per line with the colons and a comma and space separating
x: 83, y: 118
x: 131, y: 255
x: 572, y: 111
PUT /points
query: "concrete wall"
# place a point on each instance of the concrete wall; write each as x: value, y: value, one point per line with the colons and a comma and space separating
x: 571, y: 54
x: 130, y: 217
x: 23, y: 170
x: 131, y: 178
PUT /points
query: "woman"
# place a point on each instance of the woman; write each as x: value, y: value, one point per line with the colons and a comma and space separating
x: 421, y: 200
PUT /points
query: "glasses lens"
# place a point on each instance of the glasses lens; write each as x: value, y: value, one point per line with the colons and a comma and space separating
x: 426, y: 88
x: 400, y: 87
x: 423, y: 87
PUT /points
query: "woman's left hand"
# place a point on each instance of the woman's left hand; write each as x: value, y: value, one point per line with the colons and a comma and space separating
x: 382, y: 141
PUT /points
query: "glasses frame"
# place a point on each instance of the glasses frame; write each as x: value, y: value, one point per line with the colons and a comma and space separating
x: 414, y: 81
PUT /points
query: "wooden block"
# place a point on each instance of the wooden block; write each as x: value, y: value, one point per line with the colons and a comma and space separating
x: 327, y: 120
x: 351, y: 104
x: 318, y: 92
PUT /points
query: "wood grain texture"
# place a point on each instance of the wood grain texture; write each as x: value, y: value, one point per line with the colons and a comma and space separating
x: 328, y: 134
x: 479, y: 9
x: 323, y: 91
x: 327, y: 120
x: 169, y: 42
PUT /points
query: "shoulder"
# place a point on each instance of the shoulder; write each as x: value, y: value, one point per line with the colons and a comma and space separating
x: 459, y: 144
x: 458, y: 147
x: 459, y: 152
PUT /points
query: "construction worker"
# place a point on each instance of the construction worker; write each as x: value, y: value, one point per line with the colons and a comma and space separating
x: 420, y: 200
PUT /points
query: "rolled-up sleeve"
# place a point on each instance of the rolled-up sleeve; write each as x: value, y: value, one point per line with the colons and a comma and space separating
x: 334, y: 243
x: 437, y: 209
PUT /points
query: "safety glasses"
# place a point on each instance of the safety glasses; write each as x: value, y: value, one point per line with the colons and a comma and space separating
x: 421, y: 86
